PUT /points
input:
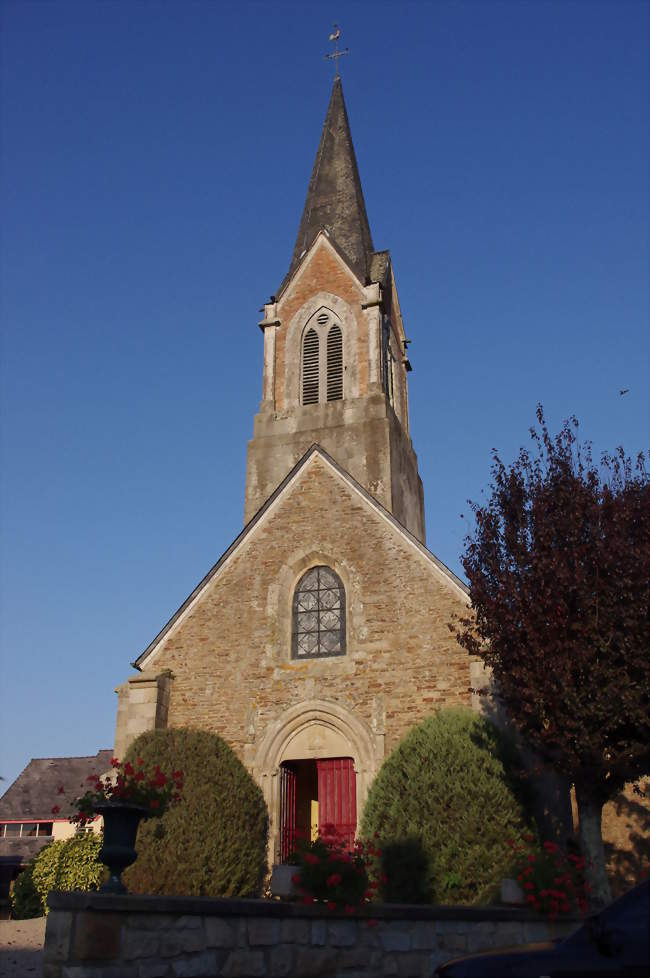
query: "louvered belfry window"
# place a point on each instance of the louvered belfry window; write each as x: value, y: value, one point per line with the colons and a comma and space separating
x: 318, y: 615
x: 335, y: 364
x: 310, y: 367
x: 322, y: 360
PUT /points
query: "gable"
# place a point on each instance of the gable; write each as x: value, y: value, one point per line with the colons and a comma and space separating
x: 319, y: 510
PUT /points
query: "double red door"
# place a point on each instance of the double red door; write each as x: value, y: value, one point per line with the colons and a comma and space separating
x: 337, y: 800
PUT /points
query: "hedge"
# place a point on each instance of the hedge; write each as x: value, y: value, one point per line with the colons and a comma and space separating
x: 214, y: 841
x: 65, y: 864
x: 450, y: 792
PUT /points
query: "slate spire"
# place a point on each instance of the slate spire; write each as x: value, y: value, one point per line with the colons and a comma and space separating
x: 335, y: 198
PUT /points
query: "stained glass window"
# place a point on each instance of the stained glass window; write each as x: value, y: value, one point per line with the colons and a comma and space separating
x: 318, y: 615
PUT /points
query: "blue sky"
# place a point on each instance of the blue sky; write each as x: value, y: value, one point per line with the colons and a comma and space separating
x: 156, y: 159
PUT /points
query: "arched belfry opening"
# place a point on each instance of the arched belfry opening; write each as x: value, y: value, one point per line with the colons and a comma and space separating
x: 321, y: 359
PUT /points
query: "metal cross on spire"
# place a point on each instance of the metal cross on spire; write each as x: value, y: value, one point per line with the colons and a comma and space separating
x: 336, y: 54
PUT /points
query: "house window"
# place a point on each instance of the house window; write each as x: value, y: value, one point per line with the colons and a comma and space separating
x: 322, y: 360
x: 24, y: 829
x: 318, y: 615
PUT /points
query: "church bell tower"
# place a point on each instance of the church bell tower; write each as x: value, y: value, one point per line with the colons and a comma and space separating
x: 335, y: 350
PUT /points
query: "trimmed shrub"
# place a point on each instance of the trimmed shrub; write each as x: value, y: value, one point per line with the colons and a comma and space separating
x: 213, y: 842
x: 407, y: 872
x: 25, y: 898
x: 447, y: 787
x: 68, y: 864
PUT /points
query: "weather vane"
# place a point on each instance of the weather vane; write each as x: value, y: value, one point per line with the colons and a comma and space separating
x: 336, y: 54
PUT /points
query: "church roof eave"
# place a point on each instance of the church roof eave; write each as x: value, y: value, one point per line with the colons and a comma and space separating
x: 252, y: 523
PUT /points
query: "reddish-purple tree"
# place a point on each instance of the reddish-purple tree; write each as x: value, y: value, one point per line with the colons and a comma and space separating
x: 558, y: 565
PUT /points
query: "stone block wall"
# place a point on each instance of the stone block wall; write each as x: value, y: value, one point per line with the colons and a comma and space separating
x: 106, y: 936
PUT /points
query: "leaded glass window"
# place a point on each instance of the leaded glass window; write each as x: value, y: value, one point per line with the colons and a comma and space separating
x: 318, y: 615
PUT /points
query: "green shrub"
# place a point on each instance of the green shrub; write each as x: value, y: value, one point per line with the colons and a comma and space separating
x: 447, y: 787
x: 213, y: 842
x: 68, y: 864
x: 407, y: 872
x: 25, y: 898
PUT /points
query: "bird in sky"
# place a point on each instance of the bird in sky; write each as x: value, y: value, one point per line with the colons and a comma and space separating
x: 626, y: 390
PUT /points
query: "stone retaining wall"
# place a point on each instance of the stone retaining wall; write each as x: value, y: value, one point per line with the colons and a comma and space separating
x: 105, y: 936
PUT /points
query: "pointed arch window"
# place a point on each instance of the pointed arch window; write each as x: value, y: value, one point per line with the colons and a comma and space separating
x: 318, y: 615
x: 322, y: 360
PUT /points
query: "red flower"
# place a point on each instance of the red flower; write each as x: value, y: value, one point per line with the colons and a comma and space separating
x: 56, y: 809
x: 528, y: 838
x: 128, y: 768
x: 348, y: 908
x: 333, y: 880
x: 114, y: 762
x: 331, y: 905
x: 311, y: 858
x: 296, y: 879
x: 140, y: 762
x: 529, y: 886
x: 139, y: 776
x: 307, y: 900
x: 551, y: 847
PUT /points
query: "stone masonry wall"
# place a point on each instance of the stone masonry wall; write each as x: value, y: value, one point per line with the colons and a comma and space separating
x: 102, y: 936
x: 230, y: 656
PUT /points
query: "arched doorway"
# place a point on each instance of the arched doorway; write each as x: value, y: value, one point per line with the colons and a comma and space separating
x: 306, y: 736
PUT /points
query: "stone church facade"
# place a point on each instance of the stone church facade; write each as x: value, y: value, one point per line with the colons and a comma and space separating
x: 320, y: 636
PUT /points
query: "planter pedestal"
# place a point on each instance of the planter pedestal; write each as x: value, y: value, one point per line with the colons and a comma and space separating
x: 118, y: 851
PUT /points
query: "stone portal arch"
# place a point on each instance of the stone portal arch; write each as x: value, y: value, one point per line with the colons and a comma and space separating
x: 315, y: 729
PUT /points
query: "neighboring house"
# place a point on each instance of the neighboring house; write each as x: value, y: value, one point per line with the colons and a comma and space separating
x: 27, y: 819
x: 320, y: 637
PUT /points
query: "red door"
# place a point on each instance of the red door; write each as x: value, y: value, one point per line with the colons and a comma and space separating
x: 337, y: 797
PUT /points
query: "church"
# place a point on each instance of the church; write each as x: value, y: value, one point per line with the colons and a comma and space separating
x: 320, y: 636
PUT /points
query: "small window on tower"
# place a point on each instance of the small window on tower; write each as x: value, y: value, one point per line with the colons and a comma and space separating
x: 318, y: 615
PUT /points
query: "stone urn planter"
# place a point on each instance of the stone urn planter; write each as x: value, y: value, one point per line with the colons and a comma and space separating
x: 121, y: 822
x: 281, y: 884
x: 511, y: 893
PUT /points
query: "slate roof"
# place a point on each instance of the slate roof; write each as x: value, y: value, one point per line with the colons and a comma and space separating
x: 345, y: 475
x: 334, y: 197
x: 15, y: 851
x: 35, y: 791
